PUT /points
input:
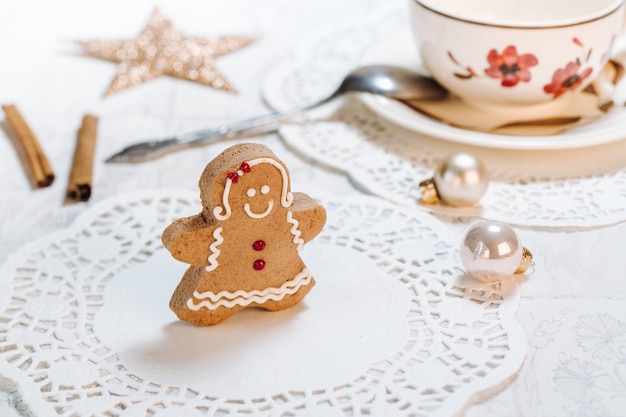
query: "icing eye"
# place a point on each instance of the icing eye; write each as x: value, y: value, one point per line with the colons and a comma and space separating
x: 251, y: 192
x: 265, y: 189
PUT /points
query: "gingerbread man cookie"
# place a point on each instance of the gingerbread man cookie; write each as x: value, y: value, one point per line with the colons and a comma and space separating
x: 243, y: 246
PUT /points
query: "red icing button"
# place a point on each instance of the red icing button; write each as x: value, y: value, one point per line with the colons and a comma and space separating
x: 259, y: 264
x: 258, y: 245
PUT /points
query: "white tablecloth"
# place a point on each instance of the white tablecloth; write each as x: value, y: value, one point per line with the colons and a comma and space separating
x: 573, y: 304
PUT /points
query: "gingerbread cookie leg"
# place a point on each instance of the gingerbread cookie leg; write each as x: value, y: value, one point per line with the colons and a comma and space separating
x: 204, y: 318
x: 180, y: 301
x: 289, y: 300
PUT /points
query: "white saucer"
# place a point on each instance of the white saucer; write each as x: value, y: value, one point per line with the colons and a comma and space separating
x: 397, y: 48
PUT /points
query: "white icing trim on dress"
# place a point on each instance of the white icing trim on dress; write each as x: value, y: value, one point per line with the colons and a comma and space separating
x: 212, y: 301
x: 295, y: 231
x: 286, y: 198
x: 215, y: 252
x: 249, y: 212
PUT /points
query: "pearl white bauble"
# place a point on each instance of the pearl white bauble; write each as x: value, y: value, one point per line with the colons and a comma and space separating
x: 461, y: 180
x: 491, y: 251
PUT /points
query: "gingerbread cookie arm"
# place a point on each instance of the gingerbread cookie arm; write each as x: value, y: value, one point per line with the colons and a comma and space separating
x: 311, y: 216
x: 189, y: 240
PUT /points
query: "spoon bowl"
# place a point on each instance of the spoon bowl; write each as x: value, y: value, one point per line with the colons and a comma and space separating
x: 391, y: 81
x: 385, y: 80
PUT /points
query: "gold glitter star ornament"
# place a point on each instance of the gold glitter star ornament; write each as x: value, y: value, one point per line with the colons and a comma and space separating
x: 161, y: 49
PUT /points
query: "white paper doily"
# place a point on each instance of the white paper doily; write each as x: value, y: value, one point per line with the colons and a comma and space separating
x: 570, y: 188
x: 391, y: 328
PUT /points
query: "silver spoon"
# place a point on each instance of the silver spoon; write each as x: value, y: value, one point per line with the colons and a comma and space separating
x: 384, y: 80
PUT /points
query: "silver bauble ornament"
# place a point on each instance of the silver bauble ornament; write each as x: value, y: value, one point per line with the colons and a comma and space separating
x: 491, y: 251
x: 459, y: 180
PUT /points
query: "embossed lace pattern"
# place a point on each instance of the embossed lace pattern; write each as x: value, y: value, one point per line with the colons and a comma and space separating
x: 390, y: 162
x: 461, y: 338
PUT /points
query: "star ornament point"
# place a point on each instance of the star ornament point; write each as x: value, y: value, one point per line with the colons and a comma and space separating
x: 161, y: 49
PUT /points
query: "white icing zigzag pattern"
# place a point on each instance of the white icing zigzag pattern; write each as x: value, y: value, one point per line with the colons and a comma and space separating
x: 212, y: 301
x: 215, y: 252
x: 295, y: 231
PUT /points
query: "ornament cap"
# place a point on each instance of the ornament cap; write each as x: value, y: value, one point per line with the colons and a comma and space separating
x: 428, y: 190
x: 527, y: 260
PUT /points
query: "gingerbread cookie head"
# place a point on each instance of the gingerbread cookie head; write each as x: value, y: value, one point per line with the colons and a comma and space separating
x: 244, y: 246
x: 255, y: 184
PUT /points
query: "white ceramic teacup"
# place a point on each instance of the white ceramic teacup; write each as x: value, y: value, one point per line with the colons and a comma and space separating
x: 515, y: 52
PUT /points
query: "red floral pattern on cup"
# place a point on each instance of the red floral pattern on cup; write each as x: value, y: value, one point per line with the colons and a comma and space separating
x: 566, y: 79
x: 509, y: 66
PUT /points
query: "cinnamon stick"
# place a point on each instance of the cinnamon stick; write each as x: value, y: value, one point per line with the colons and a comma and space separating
x: 81, y: 174
x: 36, y: 161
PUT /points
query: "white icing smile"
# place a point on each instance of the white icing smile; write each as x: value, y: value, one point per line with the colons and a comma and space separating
x: 268, y: 210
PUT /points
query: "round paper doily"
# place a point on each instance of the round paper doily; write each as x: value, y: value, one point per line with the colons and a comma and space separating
x: 393, y: 327
x: 568, y: 188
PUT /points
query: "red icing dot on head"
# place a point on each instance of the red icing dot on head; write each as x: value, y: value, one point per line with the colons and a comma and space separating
x: 233, y: 177
x: 245, y: 167
x: 259, y: 264
x: 258, y: 245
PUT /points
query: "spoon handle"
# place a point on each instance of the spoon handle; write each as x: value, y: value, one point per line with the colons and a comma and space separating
x: 151, y: 149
